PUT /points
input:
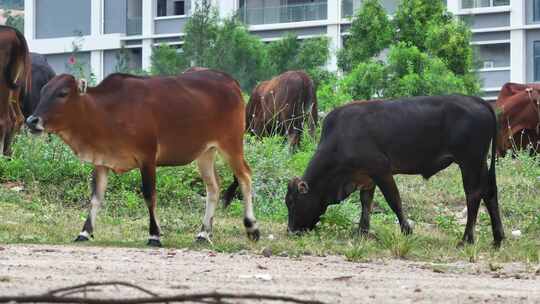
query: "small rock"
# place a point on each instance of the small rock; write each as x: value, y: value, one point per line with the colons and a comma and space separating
x: 417, y: 290
x: 271, y: 237
x: 516, y: 234
x: 267, y: 252
x: 263, y: 276
x: 99, y: 268
x: 494, y: 267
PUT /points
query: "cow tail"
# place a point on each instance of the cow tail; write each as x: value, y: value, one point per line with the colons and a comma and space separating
x: 230, y: 193
x: 17, y: 57
x: 492, y: 179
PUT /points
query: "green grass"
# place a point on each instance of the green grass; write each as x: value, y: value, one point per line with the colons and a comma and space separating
x: 51, y: 208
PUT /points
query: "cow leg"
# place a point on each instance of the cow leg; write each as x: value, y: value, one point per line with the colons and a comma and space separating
x: 366, y: 198
x: 148, y: 175
x: 473, y: 193
x: 243, y: 173
x: 206, y: 168
x: 391, y: 193
x: 293, y: 137
x: 492, y: 205
x: 99, y: 185
x: 7, y: 143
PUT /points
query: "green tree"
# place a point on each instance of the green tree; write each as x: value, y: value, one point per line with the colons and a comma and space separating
x: 366, y: 81
x: 238, y: 53
x: 14, y: 21
x: 291, y: 53
x: 411, y: 72
x: 371, y: 32
x: 201, y: 33
x: 414, y: 18
x: 166, y: 61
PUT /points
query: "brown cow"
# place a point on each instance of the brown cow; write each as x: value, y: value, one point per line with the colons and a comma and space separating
x: 282, y: 105
x: 519, y: 117
x: 14, y: 77
x: 129, y: 122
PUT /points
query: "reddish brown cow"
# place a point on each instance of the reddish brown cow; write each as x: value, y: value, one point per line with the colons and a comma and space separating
x: 129, y: 122
x: 519, y: 117
x: 14, y: 77
x: 282, y: 105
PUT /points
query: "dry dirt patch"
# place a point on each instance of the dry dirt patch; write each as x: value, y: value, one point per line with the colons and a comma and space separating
x: 33, y: 269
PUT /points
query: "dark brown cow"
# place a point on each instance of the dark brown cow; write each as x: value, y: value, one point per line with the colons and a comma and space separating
x: 129, y: 122
x: 282, y: 105
x: 14, y: 77
x: 519, y: 117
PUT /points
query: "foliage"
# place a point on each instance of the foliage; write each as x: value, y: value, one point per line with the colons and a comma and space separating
x: 366, y: 80
x: 16, y: 21
x: 239, y: 53
x: 76, y: 65
x: 415, y: 73
x: 201, y: 33
x: 371, y: 31
x: 166, y: 61
x: 290, y: 53
x: 429, y: 53
x: 414, y: 18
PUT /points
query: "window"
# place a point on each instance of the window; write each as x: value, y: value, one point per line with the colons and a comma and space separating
x: 536, y: 51
x: 162, y: 8
x: 179, y: 8
x: 483, y: 3
x: 536, y: 10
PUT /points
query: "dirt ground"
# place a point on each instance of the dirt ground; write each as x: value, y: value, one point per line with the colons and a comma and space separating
x: 35, y: 269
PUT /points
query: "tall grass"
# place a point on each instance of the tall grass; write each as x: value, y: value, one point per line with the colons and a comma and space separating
x: 55, y: 191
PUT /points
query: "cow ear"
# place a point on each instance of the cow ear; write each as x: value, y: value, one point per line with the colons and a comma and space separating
x: 303, y: 187
x: 298, y: 185
x: 82, y: 86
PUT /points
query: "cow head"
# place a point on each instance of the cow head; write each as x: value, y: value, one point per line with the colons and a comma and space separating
x: 305, y: 206
x: 59, y: 101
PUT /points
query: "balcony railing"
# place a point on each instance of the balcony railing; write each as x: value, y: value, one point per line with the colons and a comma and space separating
x: 134, y: 26
x: 284, y: 13
x: 483, y: 3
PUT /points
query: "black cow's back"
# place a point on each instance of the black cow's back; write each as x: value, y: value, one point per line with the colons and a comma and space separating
x: 418, y: 135
x: 42, y: 72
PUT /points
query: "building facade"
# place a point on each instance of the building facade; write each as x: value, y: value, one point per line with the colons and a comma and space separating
x: 506, y: 34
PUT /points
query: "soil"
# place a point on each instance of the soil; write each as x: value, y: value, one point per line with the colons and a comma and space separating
x: 36, y: 269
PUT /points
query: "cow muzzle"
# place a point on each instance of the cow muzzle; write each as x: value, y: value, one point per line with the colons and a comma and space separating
x: 35, y: 124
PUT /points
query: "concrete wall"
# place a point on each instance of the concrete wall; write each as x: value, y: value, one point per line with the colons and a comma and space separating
x: 115, y: 16
x: 62, y: 18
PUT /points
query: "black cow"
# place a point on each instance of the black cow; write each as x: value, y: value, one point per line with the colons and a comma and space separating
x: 364, y: 144
x: 42, y: 72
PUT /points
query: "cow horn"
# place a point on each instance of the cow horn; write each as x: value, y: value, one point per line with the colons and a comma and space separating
x: 82, y: 85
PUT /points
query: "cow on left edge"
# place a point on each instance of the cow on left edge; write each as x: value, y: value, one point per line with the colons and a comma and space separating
x: 129, y: 122
x: 15, y: 80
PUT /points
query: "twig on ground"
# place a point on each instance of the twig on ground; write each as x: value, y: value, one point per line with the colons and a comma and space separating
x: 63, y: 295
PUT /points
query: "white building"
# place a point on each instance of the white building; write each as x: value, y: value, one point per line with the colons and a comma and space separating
x: 506, y: 34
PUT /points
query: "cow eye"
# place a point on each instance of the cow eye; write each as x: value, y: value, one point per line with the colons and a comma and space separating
x: 63, y: 94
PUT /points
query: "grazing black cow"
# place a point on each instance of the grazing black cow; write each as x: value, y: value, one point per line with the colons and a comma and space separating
x: 364, y: 144
x: 42, y: 72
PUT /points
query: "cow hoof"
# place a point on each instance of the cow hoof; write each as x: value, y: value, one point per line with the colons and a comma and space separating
x: 154, y: 243
x: 203, y: 237
x: 81, y: 238
x: 254, y: 234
